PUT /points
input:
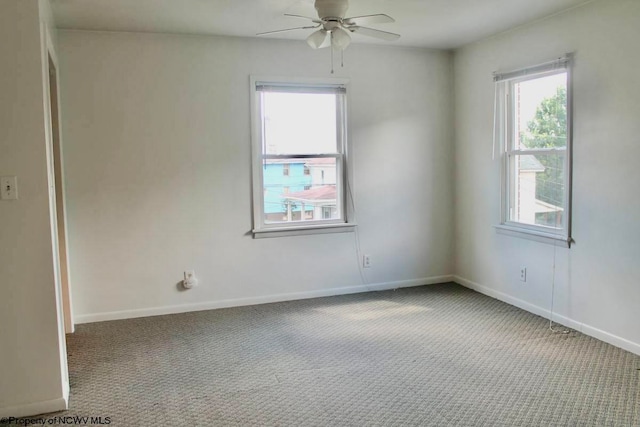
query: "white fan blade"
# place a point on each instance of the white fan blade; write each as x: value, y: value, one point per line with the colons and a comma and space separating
x: 379, y: 18
x: 314, y: 20
x: 318, y: 39
x: 383, y: 35
x: 287, y: 29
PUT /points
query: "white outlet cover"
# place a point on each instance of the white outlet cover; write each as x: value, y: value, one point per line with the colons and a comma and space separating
x: 190, y: 279
x: 366, y: 261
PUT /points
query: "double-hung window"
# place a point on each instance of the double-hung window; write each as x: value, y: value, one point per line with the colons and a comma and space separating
x: 299, y: 156
x: 533, y: 128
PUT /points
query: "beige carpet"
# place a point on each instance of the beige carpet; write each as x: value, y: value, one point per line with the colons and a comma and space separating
x: 437, y: 355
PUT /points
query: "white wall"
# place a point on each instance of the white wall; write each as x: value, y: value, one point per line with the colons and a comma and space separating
x: 32, y: 356
x: 157, y: 159
x: 596, y: 281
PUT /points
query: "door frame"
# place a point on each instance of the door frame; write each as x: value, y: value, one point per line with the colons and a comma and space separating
x: 57, y: 188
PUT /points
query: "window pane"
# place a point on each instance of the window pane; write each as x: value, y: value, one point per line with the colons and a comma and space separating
x: 301, y: 195
x: 538, y: 192
x: 540, y: 107
x: 299, y: 123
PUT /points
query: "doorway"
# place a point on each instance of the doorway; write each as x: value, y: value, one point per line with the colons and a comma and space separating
x: 56, y: 159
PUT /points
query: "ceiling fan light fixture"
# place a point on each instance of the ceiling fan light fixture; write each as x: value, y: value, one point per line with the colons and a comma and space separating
x: 317, y: 39
x: 333, y: 29
x: 340, y: 38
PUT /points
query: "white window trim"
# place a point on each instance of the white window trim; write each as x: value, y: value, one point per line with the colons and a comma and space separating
x: 343, y: 174
x: 535, y: 235
x: 504, y: 135
x: 342, y: 227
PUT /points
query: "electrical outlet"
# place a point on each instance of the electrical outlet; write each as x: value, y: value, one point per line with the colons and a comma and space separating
x: 523, y: 274
x: 366, y: 261
x: 189, y: 279
x: 9, y: 187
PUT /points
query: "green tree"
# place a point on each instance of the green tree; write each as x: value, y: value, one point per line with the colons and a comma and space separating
x: 548, y: 129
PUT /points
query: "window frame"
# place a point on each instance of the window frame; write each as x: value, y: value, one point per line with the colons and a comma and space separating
x: 315, y: 226
x: 510, y: 152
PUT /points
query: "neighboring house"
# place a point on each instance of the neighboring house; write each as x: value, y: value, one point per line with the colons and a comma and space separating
x: 321, y: 200
x: 532, y: 210
x: 294, y: 186
x: 322, y: 170
x: 280, y: 178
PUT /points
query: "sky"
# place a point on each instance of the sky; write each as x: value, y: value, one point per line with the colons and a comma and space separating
x: 300, y: 123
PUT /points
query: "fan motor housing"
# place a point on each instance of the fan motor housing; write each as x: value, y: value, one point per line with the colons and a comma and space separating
x: 331, y: 8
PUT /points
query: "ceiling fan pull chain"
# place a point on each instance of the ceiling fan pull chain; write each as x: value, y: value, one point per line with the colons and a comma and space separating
x: 331, y: 50
x: 342, y: 59
x: 331, y: 60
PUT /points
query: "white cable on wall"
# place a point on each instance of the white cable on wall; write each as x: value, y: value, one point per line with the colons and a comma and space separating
x: 553, y: 288
x: 351, y: 200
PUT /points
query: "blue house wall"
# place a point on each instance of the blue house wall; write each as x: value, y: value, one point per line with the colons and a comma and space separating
x: 275, y: 181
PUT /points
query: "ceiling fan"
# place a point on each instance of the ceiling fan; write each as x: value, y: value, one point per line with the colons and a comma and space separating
x: 334, y: 29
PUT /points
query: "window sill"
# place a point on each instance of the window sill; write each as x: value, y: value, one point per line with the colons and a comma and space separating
x: 535, y: 235
x: 301, y: 230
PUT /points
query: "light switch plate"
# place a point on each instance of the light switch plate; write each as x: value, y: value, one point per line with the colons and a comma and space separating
x: 9, y: 187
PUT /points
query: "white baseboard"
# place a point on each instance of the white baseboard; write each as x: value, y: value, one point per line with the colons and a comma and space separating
x: 543, y: 312
x: 238, y: 302
x: 36, y: 408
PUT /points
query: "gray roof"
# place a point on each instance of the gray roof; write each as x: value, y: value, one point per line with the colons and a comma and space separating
x: 530, y: 163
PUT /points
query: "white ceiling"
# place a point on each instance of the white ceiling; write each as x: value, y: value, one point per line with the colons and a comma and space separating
x: 440, y: 24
